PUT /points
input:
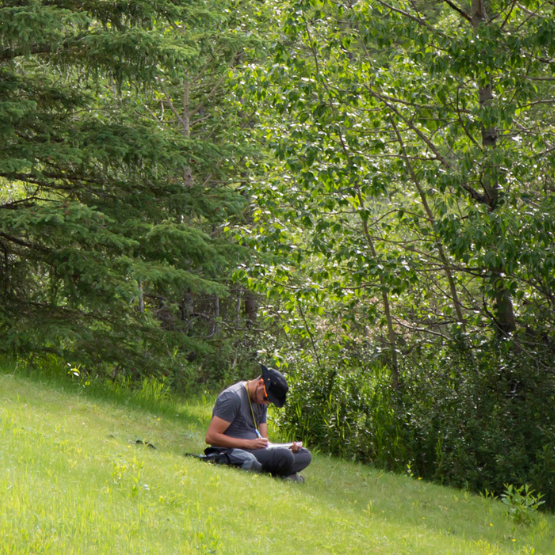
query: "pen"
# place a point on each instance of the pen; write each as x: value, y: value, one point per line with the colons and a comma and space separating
x: 257, y: 433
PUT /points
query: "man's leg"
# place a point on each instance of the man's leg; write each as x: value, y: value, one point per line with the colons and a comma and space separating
x: 279, y: 461
x: 302, y: 460
x: 282, y: 461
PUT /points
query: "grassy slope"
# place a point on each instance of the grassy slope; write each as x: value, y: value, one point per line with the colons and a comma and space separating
x: 74, y: 481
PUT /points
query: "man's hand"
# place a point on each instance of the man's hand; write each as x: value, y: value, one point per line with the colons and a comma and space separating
x: 258, y: 443
x: 295, y: 447
x: 215, y: 436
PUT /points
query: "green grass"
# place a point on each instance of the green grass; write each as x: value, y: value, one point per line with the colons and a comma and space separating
x: 73, y: 480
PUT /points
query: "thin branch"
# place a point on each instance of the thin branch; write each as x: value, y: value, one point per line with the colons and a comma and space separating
x: 531, y: 14
x: 544, y: 152
x: 169, y: 101
x: 458, y: 10
x: 152, y: 113
x: 467, y: 133
x: 215, y: 87
x: 508, y: 15
x: 538, y: 102
x: 309, y: 335
x: 22, y: 243
x: 197, y: 121
x: 443, y: 257
x: 402, y: 324
x: 421, y: 106
x: 12, y: 53
x: 482, y: 199
x: 409, y: 16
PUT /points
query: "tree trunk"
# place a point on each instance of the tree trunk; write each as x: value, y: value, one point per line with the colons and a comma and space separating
x: 251, y: 308
x: 187, y: 173
x: 386, y: 307
x: 504, y: 313
x: 141, y: 297
x: 216, y: 315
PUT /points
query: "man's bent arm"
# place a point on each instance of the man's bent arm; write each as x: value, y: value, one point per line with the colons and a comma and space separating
x: 215, y: 436
x: 263, y: 430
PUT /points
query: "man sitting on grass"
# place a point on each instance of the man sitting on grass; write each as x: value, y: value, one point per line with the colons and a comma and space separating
x: 239, y: 422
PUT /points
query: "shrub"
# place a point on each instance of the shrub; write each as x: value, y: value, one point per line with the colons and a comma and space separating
x: 476, y: 420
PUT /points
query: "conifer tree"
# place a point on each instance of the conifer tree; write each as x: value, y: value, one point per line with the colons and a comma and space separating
x: 97, y: 205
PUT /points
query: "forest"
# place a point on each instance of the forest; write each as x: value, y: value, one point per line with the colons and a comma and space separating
x: 359, y: 193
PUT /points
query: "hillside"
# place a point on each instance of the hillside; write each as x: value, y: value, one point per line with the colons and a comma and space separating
x: 75, y: 480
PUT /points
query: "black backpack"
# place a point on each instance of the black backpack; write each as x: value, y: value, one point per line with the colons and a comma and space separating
x: 229, y: 457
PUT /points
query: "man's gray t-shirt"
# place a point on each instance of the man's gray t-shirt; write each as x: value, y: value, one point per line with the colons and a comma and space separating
x: 232, y: 405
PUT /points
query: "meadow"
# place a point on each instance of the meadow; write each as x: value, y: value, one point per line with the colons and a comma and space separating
x: 93, y: 469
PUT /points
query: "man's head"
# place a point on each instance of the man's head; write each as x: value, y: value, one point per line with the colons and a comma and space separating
x: 275, y: 386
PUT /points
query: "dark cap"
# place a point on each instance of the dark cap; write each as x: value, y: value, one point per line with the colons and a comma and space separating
x: 276, y: 386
